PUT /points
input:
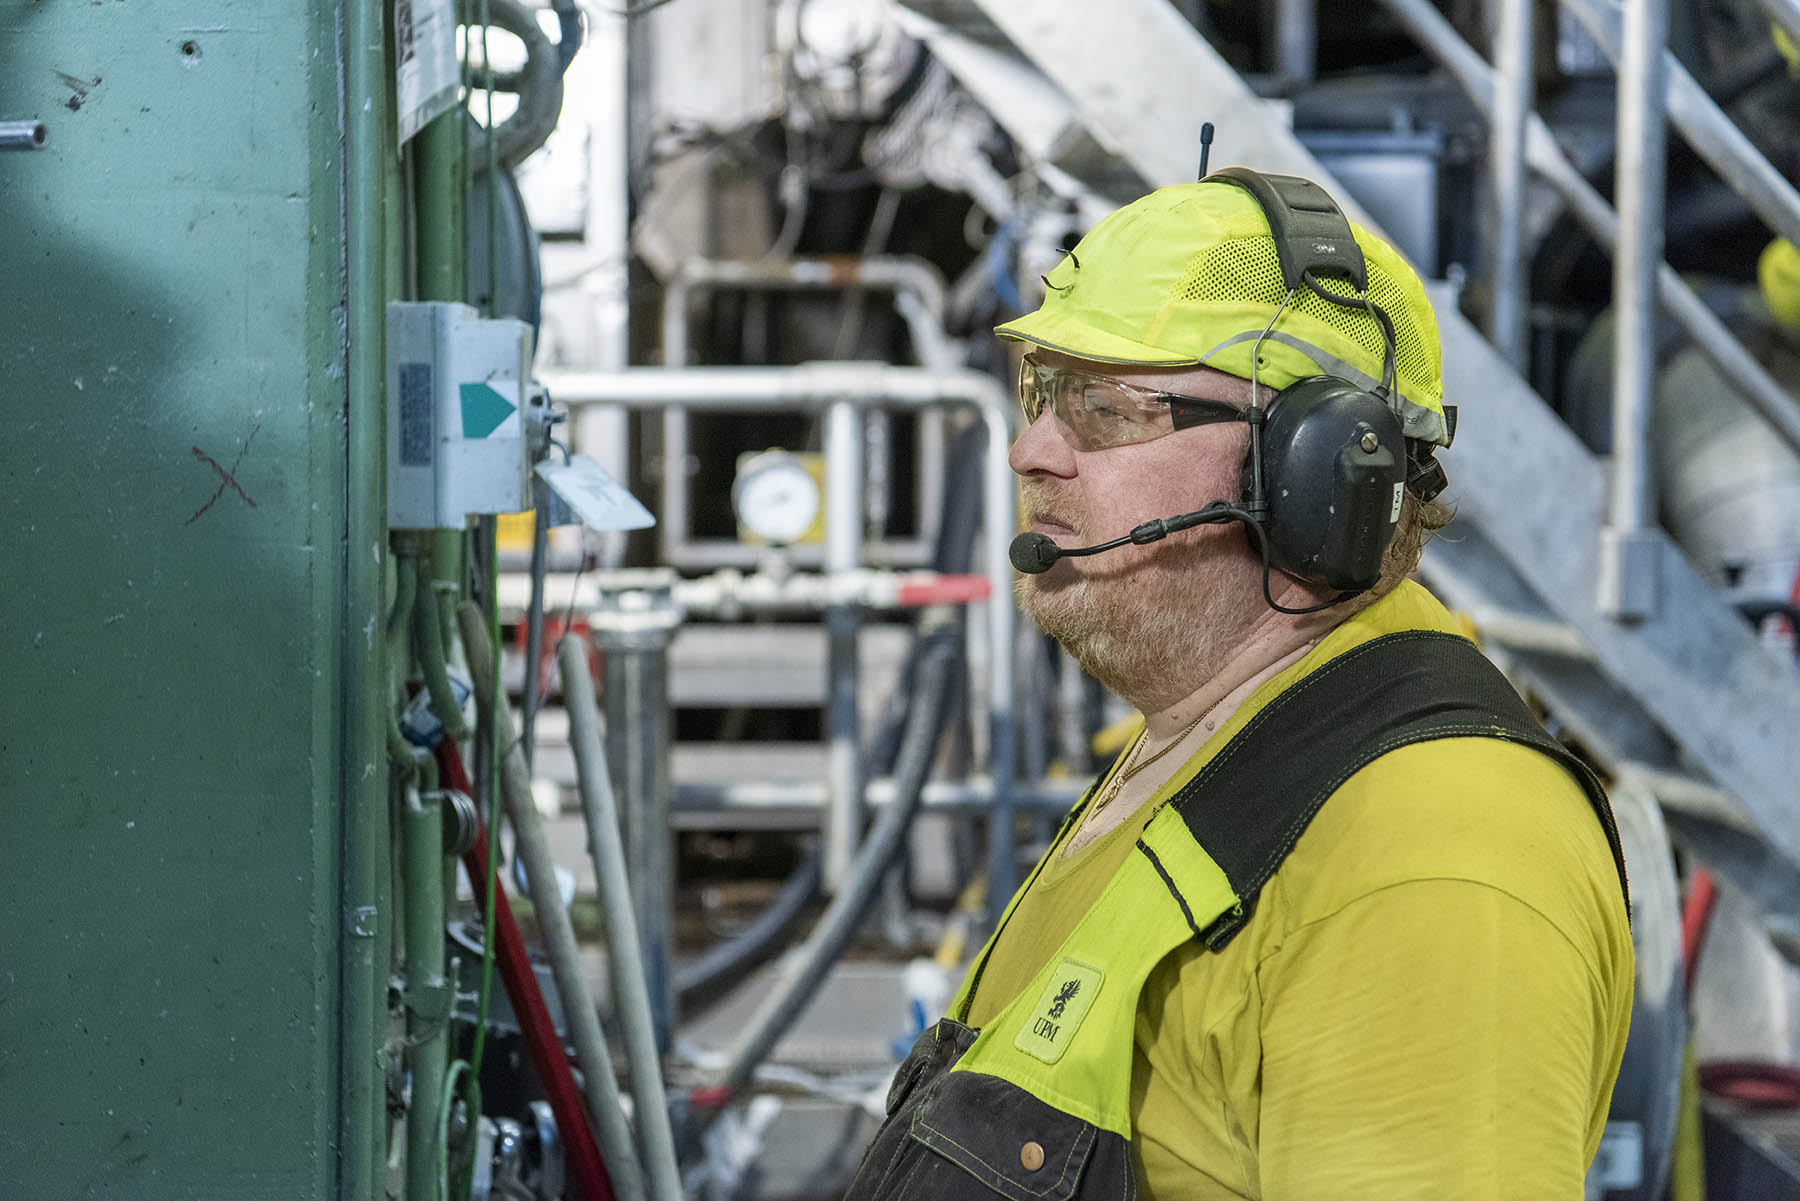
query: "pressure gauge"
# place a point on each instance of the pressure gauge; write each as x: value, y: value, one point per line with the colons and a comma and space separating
x: 775, y: 496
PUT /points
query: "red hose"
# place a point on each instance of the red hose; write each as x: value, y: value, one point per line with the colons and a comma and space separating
x: 1750, y: 1083
x: 1755, y: 1085
x: 1696, y: 912
x: 545, y: 1048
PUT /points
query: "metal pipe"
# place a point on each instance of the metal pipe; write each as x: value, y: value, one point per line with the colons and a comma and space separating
x: 1712, y: 134
x: 22, y: 135
x: 1514, y: 88
x: 908, y: 278
x: 1533, y: 635
x: 1689, y: 797
x: 843, y: 725
x: 534, y: 621
x: 730, y: 594
x: 363, y: 832
x: 1627, y: 580
x: 1296, y: 43
x: 806, y: 799
x: 438, y: 184
x: 428, y: 992
x: 1434, y: 33
x: 815, y: 385
x: 631, y: 999
x: 599, y: 1085
x: 633, y: 630
x: 894, y: 273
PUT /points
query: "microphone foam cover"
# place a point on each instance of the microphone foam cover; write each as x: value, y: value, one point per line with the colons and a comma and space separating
x: 1033, y: 553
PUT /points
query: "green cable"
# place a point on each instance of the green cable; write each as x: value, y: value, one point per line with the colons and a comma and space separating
x: 457, y: 1066
x: 492, y: 180
x: 478, y: 1051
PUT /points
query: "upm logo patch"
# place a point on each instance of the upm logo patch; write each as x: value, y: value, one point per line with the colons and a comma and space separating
x: 1065, y: 1001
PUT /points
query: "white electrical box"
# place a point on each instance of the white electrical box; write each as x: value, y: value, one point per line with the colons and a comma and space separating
x: 457, y: 441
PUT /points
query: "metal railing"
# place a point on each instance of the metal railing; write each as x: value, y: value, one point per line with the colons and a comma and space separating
x: 908, y: 279
x: 1545, y: 159
x: 1654, y: 90
x: 845, y: 389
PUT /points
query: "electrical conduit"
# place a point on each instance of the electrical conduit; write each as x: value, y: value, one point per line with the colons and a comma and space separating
x: 553, y: 919
x: 631, y: 997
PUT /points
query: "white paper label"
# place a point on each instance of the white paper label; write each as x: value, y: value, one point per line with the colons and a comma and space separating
x: 426, y: 77
x: 1399, y: 495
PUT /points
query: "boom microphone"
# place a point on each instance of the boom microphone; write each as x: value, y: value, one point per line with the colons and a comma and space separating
x: 1034, y: 553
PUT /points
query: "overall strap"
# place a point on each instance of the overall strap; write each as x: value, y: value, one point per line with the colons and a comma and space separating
x: 1251, y: 803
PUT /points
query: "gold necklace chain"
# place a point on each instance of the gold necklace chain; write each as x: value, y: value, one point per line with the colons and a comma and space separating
x: 1134, y: 767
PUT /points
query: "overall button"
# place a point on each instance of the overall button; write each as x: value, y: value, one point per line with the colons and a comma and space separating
x: 1032, y: 1156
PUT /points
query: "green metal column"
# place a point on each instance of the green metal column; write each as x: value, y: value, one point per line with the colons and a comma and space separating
x: 371, y: 244
x: 192, y: 774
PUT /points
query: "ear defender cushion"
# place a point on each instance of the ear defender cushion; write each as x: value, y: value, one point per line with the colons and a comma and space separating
x: 1334, y: 472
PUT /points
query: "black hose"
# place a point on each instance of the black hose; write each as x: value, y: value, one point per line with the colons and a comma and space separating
x: 880, y: 848
x: 725, y: 962
x: 954, y: 551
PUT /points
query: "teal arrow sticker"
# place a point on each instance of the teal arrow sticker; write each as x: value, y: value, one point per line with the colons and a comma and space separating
x: 483, y: 409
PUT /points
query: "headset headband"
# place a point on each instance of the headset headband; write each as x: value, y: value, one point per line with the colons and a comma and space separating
x: 1311, y: 233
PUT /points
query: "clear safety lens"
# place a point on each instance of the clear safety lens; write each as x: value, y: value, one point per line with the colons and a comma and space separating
x: 1098, y: 413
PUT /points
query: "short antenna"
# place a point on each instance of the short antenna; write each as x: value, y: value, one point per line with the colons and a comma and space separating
x: 1206, y: 132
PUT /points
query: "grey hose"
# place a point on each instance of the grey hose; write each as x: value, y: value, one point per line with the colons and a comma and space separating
x: 539, y: 85
x: 807, y: 966
x: 430, y: 639
x: 631, y: 996
x: 599, y: 1085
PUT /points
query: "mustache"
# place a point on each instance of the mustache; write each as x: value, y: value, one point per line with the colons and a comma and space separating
x: 1040, y: 499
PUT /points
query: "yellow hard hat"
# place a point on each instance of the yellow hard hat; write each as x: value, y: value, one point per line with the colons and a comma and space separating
x: 1189, y: 275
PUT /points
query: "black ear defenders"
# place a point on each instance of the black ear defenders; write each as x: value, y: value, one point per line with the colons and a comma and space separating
x: 1328, y: 462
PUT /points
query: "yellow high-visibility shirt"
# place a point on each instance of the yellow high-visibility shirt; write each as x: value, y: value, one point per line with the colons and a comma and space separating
x: 1431, y: 999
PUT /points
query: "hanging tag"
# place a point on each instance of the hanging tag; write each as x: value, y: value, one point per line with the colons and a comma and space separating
x: 599, y: 501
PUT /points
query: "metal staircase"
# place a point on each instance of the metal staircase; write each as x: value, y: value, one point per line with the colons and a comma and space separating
x: 1687, y: 692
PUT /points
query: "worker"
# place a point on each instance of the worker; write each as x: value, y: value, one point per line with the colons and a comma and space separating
x: 1342, y: 922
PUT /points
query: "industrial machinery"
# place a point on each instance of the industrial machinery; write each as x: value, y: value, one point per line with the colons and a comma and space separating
x: 510, y: 674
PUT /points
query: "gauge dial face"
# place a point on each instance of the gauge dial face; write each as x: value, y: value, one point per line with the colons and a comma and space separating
x: 776, y: 497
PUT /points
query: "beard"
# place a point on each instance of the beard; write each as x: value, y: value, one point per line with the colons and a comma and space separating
x: 1152, y: 623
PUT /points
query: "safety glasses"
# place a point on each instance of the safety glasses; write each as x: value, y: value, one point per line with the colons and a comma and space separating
x: 1098, y: 413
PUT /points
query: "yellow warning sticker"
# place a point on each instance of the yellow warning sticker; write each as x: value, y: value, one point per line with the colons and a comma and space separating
x: 1051, y: 1025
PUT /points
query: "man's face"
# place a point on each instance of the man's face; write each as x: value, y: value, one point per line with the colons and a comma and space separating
x: 1132, y: 615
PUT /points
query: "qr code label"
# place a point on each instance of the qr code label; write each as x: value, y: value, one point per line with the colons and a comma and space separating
x: 416, y: 409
